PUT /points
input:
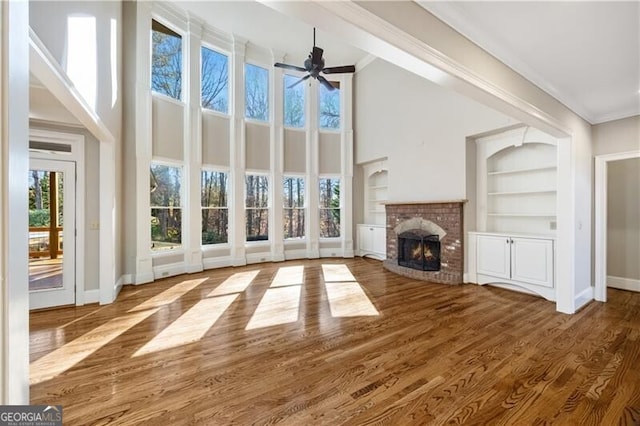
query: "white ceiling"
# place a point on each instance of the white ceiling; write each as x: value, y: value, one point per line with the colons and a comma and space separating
x: 585, y: 54
x: 264, y: 27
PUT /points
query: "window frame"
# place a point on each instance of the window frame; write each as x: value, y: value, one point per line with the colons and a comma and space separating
x: 230, y: 101
x: 171, y: 27
x: 181, y: 249
x: 304, y: 208
x: 209, y: 168
x: 320, y: 208
x: 269, y: 100
x: 268, y: 207
x: 305, y: 118
x: 319, y: 112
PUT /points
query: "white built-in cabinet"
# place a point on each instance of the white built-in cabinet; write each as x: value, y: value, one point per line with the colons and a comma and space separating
x: 372, y: 239
x: 516, y: 183
x: 524, y: 262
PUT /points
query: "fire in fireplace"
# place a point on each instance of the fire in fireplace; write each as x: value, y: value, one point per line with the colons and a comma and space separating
x: 419, y: 250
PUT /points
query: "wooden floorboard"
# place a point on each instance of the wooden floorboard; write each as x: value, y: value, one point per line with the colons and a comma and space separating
x: 433, y: 354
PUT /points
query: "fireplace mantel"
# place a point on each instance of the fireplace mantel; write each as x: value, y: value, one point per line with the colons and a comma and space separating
x: 401, y: 203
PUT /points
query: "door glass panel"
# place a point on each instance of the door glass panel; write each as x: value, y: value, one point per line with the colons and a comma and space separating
x: 46, y: 192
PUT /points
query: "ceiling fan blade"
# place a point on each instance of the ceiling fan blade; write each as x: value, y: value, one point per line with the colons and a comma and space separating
x: 340, y: 70
x: 316, y: 55
x: 289, y: 67
x: 325, y: 83
x: 299, y: 81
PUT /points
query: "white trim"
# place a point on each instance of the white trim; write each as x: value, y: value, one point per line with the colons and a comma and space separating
x: 91, y: 296
x: 364, y: 62
x: 77, y: 155
x: 216, y: 262
x: 623, y: 283
x: 602, y: 162
x: 583, y: 298
x: 295, y: 254
x: 259, y: 257
x: 334, y: 252
x: 170, y: 270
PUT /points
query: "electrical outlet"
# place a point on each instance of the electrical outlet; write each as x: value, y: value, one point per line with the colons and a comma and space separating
x: 94, y: 226
x: 552, y: 225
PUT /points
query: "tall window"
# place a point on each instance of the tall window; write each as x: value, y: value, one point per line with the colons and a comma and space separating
x: 293, y: 102
x: 166, y: 214
x: 293, y: 207
x: 215, y: 211
x: 257, y: 207
x: 166, y: 61
x: 256, y: 92
x: 215, y: 81
x: 329, y: 107
x: 329, y: 208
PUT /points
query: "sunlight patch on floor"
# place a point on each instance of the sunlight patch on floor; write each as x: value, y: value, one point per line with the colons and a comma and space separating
x: 65, y: 357
x: 280, y: 305
x: 170, y: 295
x: 191, y: 326
x: 337, y: 273
x: 348, y: 299
x: 346, y: 296
x: 289, y: 275
x: 236, y: 283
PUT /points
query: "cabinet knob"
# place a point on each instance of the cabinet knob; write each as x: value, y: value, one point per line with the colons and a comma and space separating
x: 370, y: 229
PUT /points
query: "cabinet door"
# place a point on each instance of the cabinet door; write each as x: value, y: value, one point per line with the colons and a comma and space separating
x: 365, y: 239
x: 494, y: 256
x: 380, y: 240
x: 532, y: 261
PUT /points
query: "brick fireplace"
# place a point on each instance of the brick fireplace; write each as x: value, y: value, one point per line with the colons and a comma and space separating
x: 442, y: 219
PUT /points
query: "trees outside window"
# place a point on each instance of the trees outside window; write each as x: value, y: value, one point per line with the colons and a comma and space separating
x: 329, y: 208
x: 215, y: 209
x: 257, y: 207
x: 256, y: 86
x: 329, y: 108
x: 215, y: 81
x: 166, y: 61
x: 166, y: 212
x: 294, y: 205
x: 294, y: 100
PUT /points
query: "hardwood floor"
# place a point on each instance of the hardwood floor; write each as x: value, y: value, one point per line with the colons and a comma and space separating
x: 234, y: 346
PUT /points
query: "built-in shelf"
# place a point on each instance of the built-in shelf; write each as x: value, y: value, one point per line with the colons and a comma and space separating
x: 517, y: 182
x: 516, y: 171
x: 544, y: 191
x: 376, y: 192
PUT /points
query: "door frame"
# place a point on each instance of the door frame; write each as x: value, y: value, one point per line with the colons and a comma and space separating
x: 601, y: 169
x: 75, y: 142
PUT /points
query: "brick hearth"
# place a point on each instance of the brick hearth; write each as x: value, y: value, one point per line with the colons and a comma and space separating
x: 447, y: 215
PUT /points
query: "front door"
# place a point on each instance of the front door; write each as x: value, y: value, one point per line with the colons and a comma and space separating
x: 52, y: 196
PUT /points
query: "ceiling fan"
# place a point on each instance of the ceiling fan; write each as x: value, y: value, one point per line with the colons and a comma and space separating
x: 314, y: 65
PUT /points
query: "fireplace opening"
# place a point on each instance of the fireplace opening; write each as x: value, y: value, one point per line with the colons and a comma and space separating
x: 419, y: 250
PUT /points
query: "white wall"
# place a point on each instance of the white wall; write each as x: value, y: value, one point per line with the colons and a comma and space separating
x: 623, y: 199
x: 623, y: 219
x: 50, y: 22
x: 421, y: 127
x: 617, y: 136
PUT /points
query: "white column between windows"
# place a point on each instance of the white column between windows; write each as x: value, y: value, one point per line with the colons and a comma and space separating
x: 143, y: 126
x: 191, y: 211
x: 313, y: 192
x: 346, y: 179
x: 237, y: 229
x: 276, y: 230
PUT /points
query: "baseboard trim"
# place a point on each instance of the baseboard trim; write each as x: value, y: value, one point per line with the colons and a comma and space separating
x: 582, y: 298
x: 170, y: 270
x: 295, y: 254
x: 216, y: 262
x: 623, y: 283
x: 91, y: 296
x: 147, y: 277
